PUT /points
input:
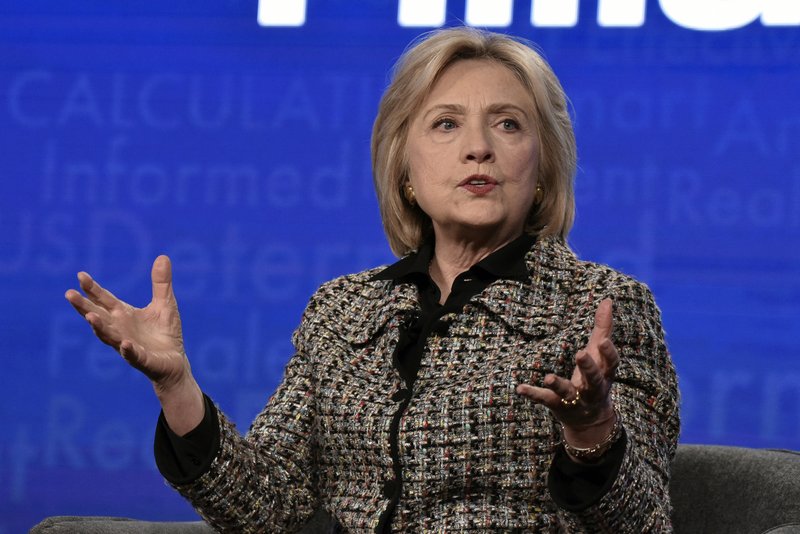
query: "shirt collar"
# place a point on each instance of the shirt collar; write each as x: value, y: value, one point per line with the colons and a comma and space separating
x: 507, y: 262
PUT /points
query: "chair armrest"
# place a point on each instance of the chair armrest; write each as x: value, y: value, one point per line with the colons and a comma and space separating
x: 117, y: 525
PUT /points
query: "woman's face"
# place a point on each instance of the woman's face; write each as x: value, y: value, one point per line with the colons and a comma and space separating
x: 473, y: 151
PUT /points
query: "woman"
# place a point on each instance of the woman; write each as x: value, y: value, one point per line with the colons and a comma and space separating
x: 489, y: 380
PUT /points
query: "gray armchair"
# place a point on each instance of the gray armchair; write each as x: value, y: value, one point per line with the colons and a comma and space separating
x: 714, y: 489
x: 717, y: 489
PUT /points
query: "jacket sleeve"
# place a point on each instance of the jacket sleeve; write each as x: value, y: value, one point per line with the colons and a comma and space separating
x: 646, y: 393
x: 264, y: 481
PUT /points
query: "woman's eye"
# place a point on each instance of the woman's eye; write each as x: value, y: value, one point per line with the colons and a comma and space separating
x: 510, y: 125
x: 444, y: 124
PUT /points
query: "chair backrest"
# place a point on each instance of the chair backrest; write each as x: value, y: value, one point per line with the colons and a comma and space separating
x: 733, y: 489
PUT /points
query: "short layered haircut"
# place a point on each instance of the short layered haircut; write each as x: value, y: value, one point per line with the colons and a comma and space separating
x: 415, y: 74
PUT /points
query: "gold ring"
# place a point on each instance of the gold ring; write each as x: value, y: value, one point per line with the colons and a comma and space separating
x: 572, y: 402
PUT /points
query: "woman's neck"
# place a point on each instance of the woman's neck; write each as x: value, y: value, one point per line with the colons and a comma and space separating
x: 453, y: 257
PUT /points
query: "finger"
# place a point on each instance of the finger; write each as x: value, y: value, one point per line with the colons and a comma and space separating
x: 104, y: 331
x: 562, y: 387
x: 161, y: 275
x: 81, y: 304
x: 593, y: 375
x: 610, y: 356
x: 539, y: 395
x: 96, y: 293
x: 603, y: 323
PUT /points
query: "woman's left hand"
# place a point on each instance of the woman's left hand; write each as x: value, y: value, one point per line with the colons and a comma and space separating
x: 583, y: 404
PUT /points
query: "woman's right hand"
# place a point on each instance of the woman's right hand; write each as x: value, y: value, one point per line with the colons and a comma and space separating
x: 150, y: 339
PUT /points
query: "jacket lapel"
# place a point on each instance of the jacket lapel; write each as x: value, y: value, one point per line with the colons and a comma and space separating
x: 380, y: 304
x: 537, y: 306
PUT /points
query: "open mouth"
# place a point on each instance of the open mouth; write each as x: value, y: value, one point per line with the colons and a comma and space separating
x: 479, y: 184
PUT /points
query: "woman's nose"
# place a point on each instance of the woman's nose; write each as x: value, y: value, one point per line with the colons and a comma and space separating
x: 477, y: 146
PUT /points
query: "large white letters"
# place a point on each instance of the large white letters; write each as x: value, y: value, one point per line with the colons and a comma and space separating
x: 703, y: 15
x: 554, y: 13
x: 496, y: 13
x: 717, y: 15
x: 429, y: 13
x: 281, y: 12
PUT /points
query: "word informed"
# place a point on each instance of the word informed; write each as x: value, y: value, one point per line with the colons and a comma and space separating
x: 704, y: 15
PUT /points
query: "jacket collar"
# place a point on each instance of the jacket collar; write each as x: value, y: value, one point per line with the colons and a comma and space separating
x: 508, y: 262
x: 532, y: 304
x: 535, y: 306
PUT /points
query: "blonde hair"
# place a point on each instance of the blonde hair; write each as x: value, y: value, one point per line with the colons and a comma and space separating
x: 413, y: 77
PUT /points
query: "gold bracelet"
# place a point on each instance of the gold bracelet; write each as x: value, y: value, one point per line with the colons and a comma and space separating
x: 597, y: 451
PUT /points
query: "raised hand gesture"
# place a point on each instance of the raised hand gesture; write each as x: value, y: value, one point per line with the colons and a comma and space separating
x: 150, y: 339
x: 583, y: 404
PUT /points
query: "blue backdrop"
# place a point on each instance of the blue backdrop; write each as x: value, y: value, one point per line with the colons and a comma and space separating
x: 130, y: 129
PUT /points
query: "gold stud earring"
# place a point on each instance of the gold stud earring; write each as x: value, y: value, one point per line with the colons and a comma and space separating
x: 408, y: 192
x: 539, y: 195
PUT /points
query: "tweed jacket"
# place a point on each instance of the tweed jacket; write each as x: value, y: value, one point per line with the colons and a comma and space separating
x: 475, y: 455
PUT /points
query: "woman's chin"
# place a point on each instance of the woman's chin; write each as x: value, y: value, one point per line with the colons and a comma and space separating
x: 479, y: 227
